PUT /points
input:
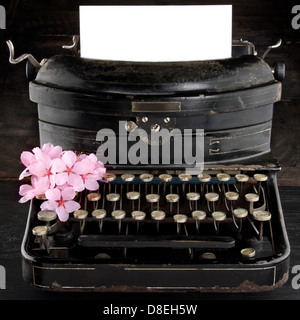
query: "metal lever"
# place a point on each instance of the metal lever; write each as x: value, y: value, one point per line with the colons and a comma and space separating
x: 74, y: 46
x: 278, y: 44
x: 24, y: 56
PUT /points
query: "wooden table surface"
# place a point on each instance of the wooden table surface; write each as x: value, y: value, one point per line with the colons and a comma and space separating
x: 12, y: 225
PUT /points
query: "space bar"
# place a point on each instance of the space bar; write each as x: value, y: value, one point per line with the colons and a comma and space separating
x: 152, y: 241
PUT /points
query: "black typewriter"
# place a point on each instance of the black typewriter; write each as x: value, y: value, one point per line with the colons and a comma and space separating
x: 155, y: 227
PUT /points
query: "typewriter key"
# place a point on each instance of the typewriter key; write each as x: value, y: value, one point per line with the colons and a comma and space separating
x: 193, y: 197
x: 146, y: 177
x: 239, y: 213
x: 204, y: 178
x: 94, y: 197
x: 41, y: 197
x: 217, y: 217
x: 118, y: 215
x: 133, y: 195
x: 198, y: 215
x: 241, y: 178
x: 109, y: 177
x: 173, y: 198
x: 223, y: 177
x: 207, y: 256
x: 113, y: 197
x: 165, y: 178
x: 158, y: 216
x: 138, y: 216
x: 262, y: 216
x: 152, y: 198
x: 81, y: 215
x: 41, y: 233
x: 179, y: 219
x: 99, y: 214
x: 251, y: 198
x: 47, y: 216
x: 230, y: 196
x: 260, y: 177
x: 211, y: 197
x: 127, y: 177
x: 248, y: 253
x: 184, y: 178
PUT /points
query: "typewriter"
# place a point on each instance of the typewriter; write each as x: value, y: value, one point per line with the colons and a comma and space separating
x: 155, y: 227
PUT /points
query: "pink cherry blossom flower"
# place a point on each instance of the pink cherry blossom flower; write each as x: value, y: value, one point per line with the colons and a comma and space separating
x: 37, y: 187
x: 61, y: 201
x: 52, y: 151
x: 48, y: 151
x: 58, y: 175
x: 90, y: 170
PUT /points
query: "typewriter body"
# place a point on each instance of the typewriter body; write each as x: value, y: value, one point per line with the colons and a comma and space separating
x: 155, y: 227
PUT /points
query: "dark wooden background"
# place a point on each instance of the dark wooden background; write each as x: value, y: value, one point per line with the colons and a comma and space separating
x: 42, y: 27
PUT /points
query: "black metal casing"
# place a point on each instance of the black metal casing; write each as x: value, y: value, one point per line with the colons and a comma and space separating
x: 231, y: 99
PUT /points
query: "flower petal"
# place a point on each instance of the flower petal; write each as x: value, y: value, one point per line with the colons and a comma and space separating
x: 24, y: 173
x: 91, y: 185
x: 82, y: 167
x: 69, y: 158
x: 38, y: 169
x: 40, y: 185
x: 61, y: 178
x: 71, y: 206
x: 53, y: 194
x: 76, y: 182
x: 24, y: 189
x: 58, y: 165
x: 68, y: 193
x: 62, y: 214
x: 55, y: 152
x: 27, y: 158
x: 49, y: 205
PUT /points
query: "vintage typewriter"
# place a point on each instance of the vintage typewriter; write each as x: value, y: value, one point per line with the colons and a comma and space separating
x: 155, y: 227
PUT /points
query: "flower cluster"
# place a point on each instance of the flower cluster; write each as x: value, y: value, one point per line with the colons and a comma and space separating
x: 58, y: 175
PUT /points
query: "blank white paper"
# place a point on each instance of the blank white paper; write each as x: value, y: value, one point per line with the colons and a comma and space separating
x: 156, y: 33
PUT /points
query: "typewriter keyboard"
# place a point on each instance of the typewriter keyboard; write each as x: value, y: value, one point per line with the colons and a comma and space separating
x: 215, y: 217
